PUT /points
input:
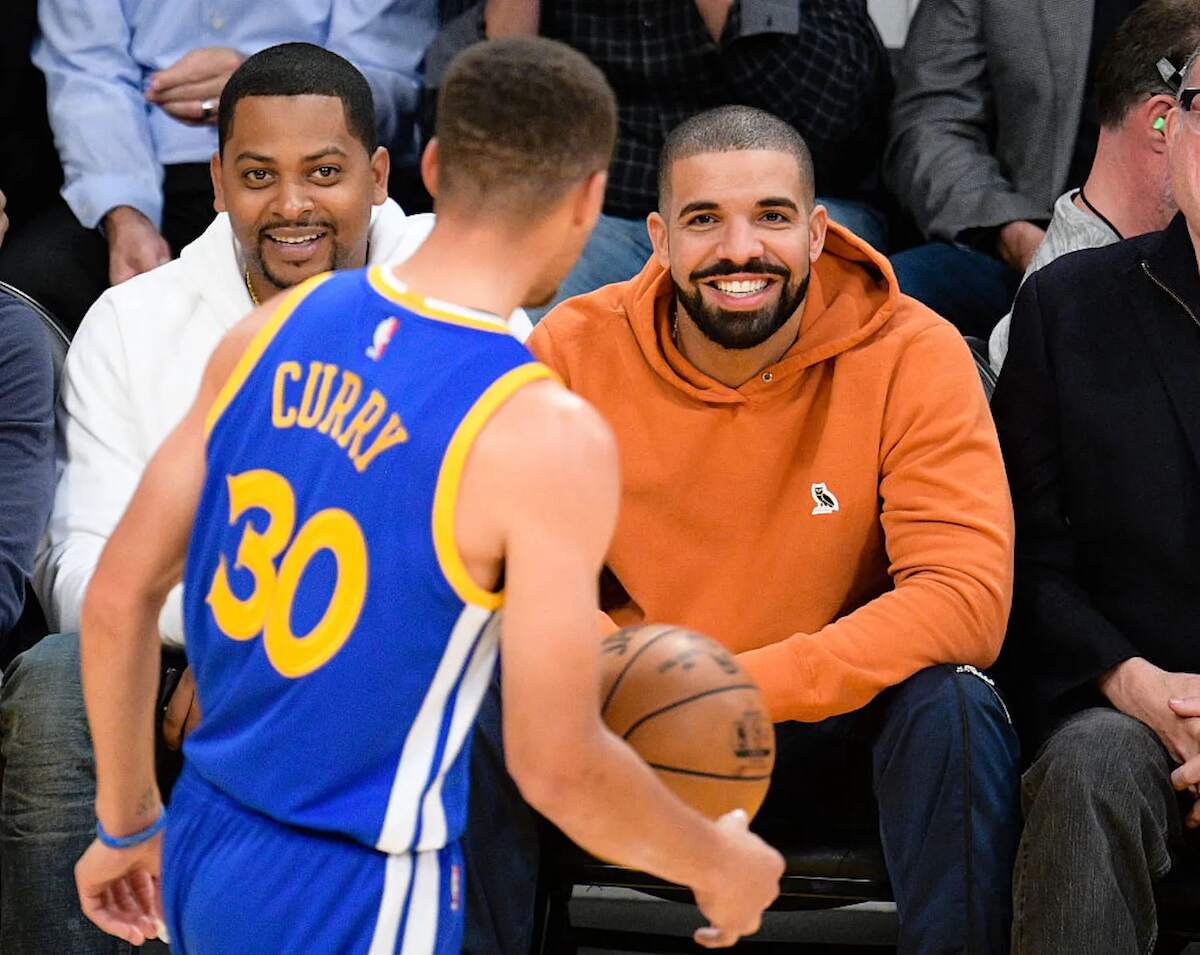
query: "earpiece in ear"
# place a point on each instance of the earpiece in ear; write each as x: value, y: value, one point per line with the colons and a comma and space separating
x: 1160, y: 124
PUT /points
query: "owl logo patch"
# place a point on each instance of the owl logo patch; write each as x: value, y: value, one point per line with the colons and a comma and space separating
x: 825, y: 499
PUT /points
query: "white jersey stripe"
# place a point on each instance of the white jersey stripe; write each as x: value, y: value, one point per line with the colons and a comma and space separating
x: 420, y: 745
x: 420, y: 928
x: 398, y: 873
x: 466, y: 707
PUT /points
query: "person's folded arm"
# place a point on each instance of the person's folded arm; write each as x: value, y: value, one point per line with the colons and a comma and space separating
x: 947, y: 523
x: 101, y: 459
x: 26, y: 450
x: 939, y: 159
x: 1072, y: 642
x: 387, y: 42
x: 96, y: 109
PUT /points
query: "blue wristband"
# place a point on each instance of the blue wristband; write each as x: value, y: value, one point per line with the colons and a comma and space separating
x: 133, y: 839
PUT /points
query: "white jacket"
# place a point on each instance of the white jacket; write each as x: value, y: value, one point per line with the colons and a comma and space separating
x: 133, y: 370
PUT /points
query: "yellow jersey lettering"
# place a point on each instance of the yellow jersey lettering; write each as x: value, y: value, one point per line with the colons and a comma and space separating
x: 392, y: 434
x: 316, y: 393
x: 282, y: 417
x: 345, y: 399
x: 368, y: 416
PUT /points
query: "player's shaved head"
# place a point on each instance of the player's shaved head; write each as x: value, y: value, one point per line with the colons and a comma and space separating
x: 520, y: 121
x: 732, y: 129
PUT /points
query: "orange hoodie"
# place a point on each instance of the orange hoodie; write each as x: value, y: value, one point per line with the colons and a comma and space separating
x: 841, y: 521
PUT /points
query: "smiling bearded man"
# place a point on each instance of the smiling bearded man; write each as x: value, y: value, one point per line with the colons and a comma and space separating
x: 811, y: 475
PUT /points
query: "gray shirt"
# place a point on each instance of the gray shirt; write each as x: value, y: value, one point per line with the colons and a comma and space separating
x: 1070, y: 230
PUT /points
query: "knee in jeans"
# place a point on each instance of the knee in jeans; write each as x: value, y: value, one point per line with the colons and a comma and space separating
x: 1101, y: 756
x: 41, y: 690
x: 948, y: 692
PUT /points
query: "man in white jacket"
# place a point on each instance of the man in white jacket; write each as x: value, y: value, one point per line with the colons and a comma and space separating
x: 301, y: 187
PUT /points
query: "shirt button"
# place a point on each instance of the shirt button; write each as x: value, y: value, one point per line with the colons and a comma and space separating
x: 218, y: 21
x: 647, y: 23
x: 768, y: 377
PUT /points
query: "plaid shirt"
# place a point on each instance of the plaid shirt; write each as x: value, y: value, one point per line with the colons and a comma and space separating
x: 819, y: 64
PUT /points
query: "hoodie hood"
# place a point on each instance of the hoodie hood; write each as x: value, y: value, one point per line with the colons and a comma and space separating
x: 212, y: 264
x: 852, y: 294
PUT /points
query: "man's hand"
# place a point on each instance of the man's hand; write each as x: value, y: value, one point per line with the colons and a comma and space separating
x: 1139, y: 689
x: 134, y: 244
x: 1016, y: 243
x: 512, y: 18
x: 746, y: 884
x: 119, y: 889
x: 194, y: 79
x: 3, y: 218
x: 183, y: 711
x: 715, y: 14
x: 1187, y: 776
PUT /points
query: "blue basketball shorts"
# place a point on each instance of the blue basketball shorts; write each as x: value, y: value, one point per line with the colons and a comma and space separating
x: 236, y: 881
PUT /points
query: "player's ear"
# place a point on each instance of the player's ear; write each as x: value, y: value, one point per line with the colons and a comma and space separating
x: 590, y: 199
x: 214, y: 172
x: 381, y: 165
x: 429, y: 170
x: 656, y: 226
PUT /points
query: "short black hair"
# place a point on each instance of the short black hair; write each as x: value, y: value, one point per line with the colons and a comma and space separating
x: 521, y: 120
x: 732, y: 129
x: 1128, y: 72
x: 302, y: 69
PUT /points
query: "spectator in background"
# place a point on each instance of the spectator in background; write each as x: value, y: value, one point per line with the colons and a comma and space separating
x: 299, y: 161
x: 1098, y: 410
x: 818, y: 64
x: 133, y: 95
x: 29, y: 168
x: 995, y: 116
x: 26, y: 448
x: 1128, y: 190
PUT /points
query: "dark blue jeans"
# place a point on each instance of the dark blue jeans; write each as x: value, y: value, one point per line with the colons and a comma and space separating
x: 970, y: 290
x: 932, y: 762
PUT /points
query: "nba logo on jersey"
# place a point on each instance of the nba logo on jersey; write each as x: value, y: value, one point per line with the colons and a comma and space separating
x: 382, y: 338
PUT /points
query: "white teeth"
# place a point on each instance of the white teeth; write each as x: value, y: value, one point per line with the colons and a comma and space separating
x: 298, y: 241
x: 742, y: 288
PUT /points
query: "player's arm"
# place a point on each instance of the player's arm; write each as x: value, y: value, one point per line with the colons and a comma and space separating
x: 551, y: 465
x: 119, y: 647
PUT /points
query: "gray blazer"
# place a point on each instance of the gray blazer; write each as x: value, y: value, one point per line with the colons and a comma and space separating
x: 987, y: 107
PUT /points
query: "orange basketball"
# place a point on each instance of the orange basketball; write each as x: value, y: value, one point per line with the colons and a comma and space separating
x: 684, y: 704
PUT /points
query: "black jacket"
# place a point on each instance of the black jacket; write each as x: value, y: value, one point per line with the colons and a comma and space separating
x: 1098, y: 411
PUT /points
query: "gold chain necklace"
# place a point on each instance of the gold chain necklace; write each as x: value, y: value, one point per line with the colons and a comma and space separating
x: 250, y: 288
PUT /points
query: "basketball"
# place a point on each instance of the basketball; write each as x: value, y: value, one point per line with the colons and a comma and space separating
x: 683, y: 703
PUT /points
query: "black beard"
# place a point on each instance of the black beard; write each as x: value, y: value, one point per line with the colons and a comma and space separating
x: 741, y: 330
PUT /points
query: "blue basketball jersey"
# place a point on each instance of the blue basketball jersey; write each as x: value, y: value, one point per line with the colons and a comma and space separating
x: 340, y: 648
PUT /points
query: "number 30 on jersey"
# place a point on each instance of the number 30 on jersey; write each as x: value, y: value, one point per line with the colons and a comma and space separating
x: 268, y: 608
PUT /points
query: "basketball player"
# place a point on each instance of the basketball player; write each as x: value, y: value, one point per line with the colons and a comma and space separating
x: 368, y: 462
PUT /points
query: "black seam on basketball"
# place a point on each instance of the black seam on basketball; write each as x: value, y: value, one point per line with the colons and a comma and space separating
x: 689, y: 699
x: 640, y: 650
x: 698, y: 772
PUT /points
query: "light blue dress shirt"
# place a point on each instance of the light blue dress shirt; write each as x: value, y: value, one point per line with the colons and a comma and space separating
x: 98, y: 56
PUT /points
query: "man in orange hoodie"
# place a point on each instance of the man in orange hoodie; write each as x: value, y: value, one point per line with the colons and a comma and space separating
x: 811, y: 475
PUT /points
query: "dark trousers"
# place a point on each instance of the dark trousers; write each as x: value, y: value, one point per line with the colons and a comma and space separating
x: 933, y: 763
x: 970, y: 290
x: 64, y: 266
x: 1102, y: 826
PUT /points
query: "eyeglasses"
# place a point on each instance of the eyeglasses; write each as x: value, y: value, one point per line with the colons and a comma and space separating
x: 1189, y: 105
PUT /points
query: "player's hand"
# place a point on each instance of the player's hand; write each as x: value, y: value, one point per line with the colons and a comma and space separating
x: 183, y: 711
x: 194, y: 79
x: 3, y: 218
x: 134, y: 244
x: 119, y: 889
x: 747, y: 883
x: 1016, y: 242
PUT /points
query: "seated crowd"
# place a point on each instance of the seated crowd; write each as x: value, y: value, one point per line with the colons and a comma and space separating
x: 770, y: 316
